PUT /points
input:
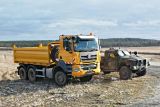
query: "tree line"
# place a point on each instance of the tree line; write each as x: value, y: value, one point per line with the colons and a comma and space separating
x: 113, y: 42
x: 129, y: 42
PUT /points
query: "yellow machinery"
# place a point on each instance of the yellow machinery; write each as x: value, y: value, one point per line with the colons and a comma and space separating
x: 73, y: 56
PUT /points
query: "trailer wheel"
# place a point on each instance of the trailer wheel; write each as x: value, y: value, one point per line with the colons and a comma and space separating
x: 142, y: 73
x: 86, y: 78
x: 60, y: 78
x: 31, y: 74
x: 125, y: 73
x: 22, y: 73
x: 54, y: 53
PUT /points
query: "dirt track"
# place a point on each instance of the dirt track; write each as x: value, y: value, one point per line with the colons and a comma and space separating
x: 151, y: 49
x: 101, y: 91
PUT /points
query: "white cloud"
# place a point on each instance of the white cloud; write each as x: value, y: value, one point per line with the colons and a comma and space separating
x: 41, y: 18
x: 150, y: 23
x: 83, y: 22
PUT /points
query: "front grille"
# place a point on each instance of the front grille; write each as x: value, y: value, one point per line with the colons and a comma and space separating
x: 89, y: 67
x: 141, y: 62
x: 88, y: 56
x: 144, y: 62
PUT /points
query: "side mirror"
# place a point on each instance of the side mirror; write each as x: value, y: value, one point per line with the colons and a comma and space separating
x: 74, y: 39
x: 135, y: 53
x: 100, y: 47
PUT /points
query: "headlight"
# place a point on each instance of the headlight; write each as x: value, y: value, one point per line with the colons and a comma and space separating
x: 135, y: 67
x: 89, y: 67
x: 76, y: 69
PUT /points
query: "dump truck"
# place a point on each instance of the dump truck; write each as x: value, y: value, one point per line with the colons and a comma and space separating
x: 124, y: 62
x: 72, y: 57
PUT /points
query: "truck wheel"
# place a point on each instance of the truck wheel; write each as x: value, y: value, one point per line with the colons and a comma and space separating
x: 125, y: 73
x: 54, y: 53
x: 60, y: 78
x: 22, y: 73
x: 86, y: 78
x: 32, y: 75
x: 142, y: 73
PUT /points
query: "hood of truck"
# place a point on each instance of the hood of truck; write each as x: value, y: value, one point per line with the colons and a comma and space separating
x: 133, y: 57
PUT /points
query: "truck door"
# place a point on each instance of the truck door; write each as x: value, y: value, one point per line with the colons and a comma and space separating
x: 67, y: 50
x: 110, y: 61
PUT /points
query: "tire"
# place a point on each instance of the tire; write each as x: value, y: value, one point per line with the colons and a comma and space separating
x: 125, y: 73
x: 54, y: 53
x: 31, y: 74
x: 86, y: 78
x: 60, y: 78
x: 22, y: 73
x: 142, y: 73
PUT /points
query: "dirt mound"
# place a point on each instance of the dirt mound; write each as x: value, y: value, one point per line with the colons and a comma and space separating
x: 7, y: 67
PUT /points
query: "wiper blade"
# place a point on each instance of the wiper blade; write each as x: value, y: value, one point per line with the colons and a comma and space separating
x: 80, y: 50
x: 86, y: 50
x: 93, y: 49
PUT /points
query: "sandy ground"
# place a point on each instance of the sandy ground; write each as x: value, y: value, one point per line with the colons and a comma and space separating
x: 155, y: 49
x: 105, y: 90
x: 144, y: 49
x: 7, y: 66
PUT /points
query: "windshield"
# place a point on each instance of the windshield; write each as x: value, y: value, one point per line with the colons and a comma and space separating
x: 120, y: 53
x: 86, y: 45
x: 123, y: 53
x: 126, y: 53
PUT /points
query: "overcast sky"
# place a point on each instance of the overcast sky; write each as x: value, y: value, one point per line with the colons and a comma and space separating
x: 47, y: 19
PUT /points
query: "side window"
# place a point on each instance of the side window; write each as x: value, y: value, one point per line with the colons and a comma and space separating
x: 111, y: 55
x: 67, y: 44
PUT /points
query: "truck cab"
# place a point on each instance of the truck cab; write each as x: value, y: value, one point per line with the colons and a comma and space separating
x: 122, y: 61
x: 81, y: 54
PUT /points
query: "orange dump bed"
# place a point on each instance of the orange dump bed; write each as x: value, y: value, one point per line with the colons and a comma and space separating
x: 32, y: 55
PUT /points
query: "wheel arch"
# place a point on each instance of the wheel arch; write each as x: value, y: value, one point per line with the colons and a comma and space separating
x: 31, y: 66
x: 122, y: 65
x: 57, y: 68
x: 61, y: 65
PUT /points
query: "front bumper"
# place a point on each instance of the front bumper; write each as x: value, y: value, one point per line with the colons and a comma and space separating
x: 138, y: 68
x: 82, y: 73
